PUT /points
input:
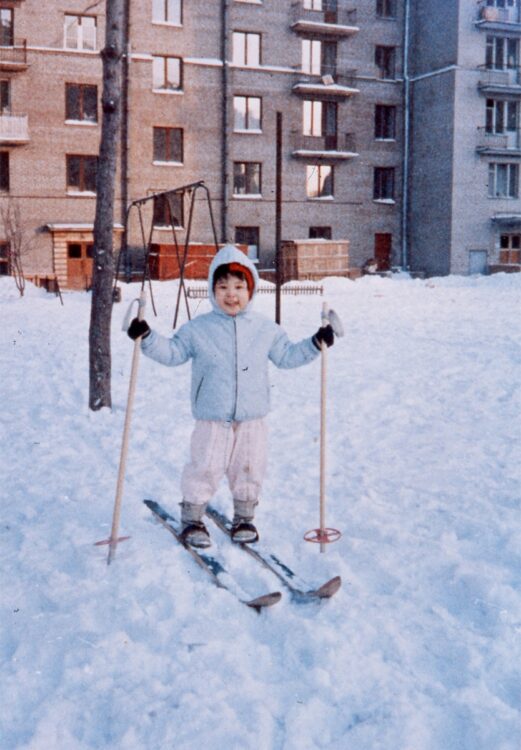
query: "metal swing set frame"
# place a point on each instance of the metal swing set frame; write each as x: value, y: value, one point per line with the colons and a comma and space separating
x: 181, y: 253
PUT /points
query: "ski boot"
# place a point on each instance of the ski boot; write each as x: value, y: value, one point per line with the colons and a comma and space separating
x: 243, y: 531
x: 194, y: 532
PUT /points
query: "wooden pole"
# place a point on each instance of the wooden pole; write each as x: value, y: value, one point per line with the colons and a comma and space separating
x: 323, y: 377
x: 113, y: 541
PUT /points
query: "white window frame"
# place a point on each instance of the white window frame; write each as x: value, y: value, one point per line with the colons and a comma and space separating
x: 317, y: 177
x: 312, y: 112
x: 246, y: 49
x: 81, y: 36
x: 502, y: 52
x: 312, y: 56
x: 502, y: 116
x: 169, y: 12
x: 246, y: 164
x: 245, y: 117
x: 503, y: 180
x: 160, y: 68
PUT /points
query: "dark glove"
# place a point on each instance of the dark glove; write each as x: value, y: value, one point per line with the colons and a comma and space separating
x: 138, y: 328
x: 324, y: 334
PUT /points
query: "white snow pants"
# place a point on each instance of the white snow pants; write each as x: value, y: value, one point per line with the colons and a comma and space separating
x: 237, y: 450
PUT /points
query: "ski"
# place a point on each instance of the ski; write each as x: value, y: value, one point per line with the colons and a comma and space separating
x: 298, y: 589
x: 209, y: 563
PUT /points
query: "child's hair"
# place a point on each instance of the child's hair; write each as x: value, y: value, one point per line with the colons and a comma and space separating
x: 234, y: 269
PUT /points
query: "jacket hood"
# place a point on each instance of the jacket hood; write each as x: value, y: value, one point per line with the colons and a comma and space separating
x: 231, y: 254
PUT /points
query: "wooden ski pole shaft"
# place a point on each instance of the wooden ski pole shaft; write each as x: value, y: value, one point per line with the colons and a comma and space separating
x: 113, y: 541
x: 323, y: 376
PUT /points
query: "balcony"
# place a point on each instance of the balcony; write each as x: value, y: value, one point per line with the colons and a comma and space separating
x: 332, y: 23
x: 323, y: 147
x: 506, y: 81
x: 491, y: 18
x: 14, y: 129
x: 14, y: 57
x: 506, y: 144
x: 331, y: 84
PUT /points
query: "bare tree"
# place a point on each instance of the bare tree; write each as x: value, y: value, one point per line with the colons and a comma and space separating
x: 103, y: 266
x: 17, y: 241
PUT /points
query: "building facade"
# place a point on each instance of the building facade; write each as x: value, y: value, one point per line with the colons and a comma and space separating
x: 463, y: 104
x: 391, y: 133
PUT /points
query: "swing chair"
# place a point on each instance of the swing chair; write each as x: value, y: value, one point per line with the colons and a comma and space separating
x: 185, y: 192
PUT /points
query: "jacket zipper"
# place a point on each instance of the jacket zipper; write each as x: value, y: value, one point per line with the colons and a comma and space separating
x: 236, y: 356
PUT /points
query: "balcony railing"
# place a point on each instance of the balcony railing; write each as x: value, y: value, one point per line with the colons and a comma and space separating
x: 500, y: 80
x: 14, y: 129
x: 14, y: 56
x: 334, y: 82
x: 490, y: 14
x: 337, y: 146
x: 498, y: 143
x: 338, y: 22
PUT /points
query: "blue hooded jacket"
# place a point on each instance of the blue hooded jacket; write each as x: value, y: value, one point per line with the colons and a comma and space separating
x: 229, y: 354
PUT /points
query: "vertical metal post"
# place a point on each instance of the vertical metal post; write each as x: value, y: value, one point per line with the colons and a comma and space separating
x: 278, y: 215
x: 224, y: 123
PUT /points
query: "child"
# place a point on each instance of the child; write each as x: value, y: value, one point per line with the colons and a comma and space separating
x: 229, y: 348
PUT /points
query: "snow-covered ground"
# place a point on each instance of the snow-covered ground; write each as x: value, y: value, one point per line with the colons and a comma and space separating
x: 419, y: 650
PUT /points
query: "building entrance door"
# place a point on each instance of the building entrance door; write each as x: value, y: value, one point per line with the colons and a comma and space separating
x: 79, y: 265
x: 477, y: 262
x: 383, y: 245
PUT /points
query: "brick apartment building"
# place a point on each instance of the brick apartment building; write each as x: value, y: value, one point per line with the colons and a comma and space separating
x: 400, y: 127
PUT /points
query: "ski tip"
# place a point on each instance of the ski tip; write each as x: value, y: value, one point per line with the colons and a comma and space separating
x: 266, y: 600
x: 329, y: 588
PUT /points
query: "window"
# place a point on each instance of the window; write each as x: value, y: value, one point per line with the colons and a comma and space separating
x: 4, y: 171
x: 503, y: 180
x: 81, y: 102
x: 5, y: 97
x: 501, y: 116
x: 502, y: 53
x: 81, y: 173
x: 246, y: 178
x: 385, y: 122
x: 312, y: 118
x: 167, y: 11
x: 510, y: 248
x: 5, y: 266
x: 246, y: 113
x: 320, y: 233
x: 313, y: 4
x: 385, y: 59
x: 6, y: 27
x: 167, y: 73
x: 319, y: 181
x: 383, y: 185
x: 80, y: 250
x: 311, y: 56
x: 246, y: 48
x: 502, y: 3
x: 318, y: 57
x: 80, y: 32
x: 386, y: 8
x: 168, y: 144
x: 320, y: 119
x: 169, y: 210
x: 248, y: 236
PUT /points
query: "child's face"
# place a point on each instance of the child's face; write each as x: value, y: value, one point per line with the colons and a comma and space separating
x: 231, y: 294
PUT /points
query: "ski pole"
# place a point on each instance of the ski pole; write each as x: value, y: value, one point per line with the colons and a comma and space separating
x: 323, y: 406
x: 114, y: 539
x: 324, y: 535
